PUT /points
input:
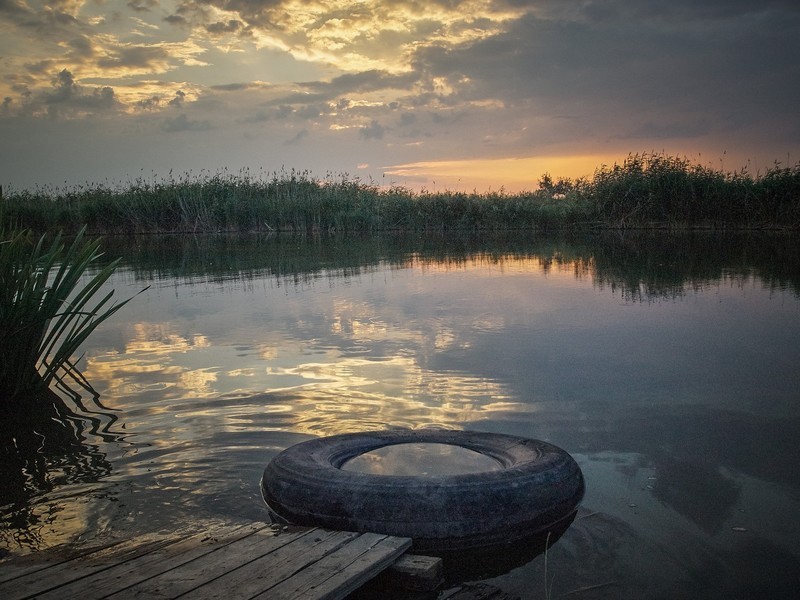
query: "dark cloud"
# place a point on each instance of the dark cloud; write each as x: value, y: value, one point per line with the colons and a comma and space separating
x: 310, y: 111
x: 15, y: 10
x: 302, y: 134
x: 630, y: 73
x: 142, y: 5
x: 283, y: 111
x: 407, y: 119
x: 220, y: 27
x: 365, y: 81
x: 686, y: 129
x: 374, y: 131
x: 301, y: 99
x: 233, y: 87
x: 312, y: 103
x: 138, y: 57
x: 259, y: 117
x: 714, y: 9
x: 81, y: 47
x: 151, y: 103
x: 183, y: 123
x: 259, y: 13
x: 66, y: 97
x: 56, y: 14
x: 64, y: 88
x: 42, y: 66
x: 103, y: 98
x: 21, y: 89
x: 178, y: 20
x: 177, y: 101
x: 675, y: 10
x: 54, y: 20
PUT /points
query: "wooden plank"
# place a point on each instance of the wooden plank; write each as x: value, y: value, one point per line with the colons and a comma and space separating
x: 268, y: 571
x: 38, y: 573
x: 186, y: 577
x: 62, y: 573
x: 232, y: 561
x: 146, y: 566
x: 364, y: 568
x: 415, y: 572
x: 14, y: 567
x: 338, y: 574
x: 18, y: 566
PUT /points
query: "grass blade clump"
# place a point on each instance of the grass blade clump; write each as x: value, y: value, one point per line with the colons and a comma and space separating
x: 46, y: 309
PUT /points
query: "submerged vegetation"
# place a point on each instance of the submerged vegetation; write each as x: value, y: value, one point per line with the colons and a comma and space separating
x: 639, y: 264
x: 50, y: 303
x: 648, y: 190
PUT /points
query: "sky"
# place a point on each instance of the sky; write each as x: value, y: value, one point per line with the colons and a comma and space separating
x: 462, y: 95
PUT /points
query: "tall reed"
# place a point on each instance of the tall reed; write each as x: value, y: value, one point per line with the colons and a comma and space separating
x: 49, y: 304
x: 645, y: 190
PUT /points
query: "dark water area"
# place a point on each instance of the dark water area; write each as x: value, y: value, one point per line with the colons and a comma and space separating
x: 668, y: 365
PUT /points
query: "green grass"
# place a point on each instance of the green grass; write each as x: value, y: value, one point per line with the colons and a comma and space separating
x: 646, y: 190
x: 50, y: 303
x: 660, y: 189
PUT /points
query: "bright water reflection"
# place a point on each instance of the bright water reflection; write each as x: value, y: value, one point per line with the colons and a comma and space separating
x: 422, y: 460
x: 667, y: 366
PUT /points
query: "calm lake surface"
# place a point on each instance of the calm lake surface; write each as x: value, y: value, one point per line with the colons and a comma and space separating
x: 667, y: 365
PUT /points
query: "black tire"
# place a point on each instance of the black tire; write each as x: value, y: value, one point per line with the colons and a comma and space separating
x: 537, y: 489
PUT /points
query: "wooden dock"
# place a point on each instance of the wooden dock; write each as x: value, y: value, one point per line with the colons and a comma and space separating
x: 231, y: 562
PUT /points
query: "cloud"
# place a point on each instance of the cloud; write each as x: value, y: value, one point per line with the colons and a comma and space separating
x: 183, y: 123
x: 620, y: 74
x: 302, y: 134
x: 142, y: 5
x: 256, y: 12
x: 407, y: 119
x: 368, y: 34
x: 684, y: 129
x: 65, y: 88
x: 55, y: 15
x: 151, y: 103
x: 365, y: 81
x: 92, y: 48
x: 178, y: 100
x: 138, y: 58
x: 14, y: 9
x: 374, y: 131
x: 178, y: 20
x: 221, y: 28
x: 437, y: 80
x: 283, y: 111
x: 81, y: 47
x: 64, y: 98
x: 310, y: 111
x: 300, y: 98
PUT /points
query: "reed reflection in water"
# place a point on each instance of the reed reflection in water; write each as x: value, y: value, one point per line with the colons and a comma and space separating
x: 666, y: 365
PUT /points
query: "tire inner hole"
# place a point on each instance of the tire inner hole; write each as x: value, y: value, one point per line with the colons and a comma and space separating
x: 422, y: 459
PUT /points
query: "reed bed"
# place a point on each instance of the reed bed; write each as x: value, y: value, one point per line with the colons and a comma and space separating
x: 51, y: 300
x: 646, y: 190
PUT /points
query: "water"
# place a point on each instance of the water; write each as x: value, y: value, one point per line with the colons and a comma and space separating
x: 422, y: 460
x: 666, y: 365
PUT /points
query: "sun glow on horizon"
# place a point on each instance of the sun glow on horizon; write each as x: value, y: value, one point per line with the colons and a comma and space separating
x: 487, y: 175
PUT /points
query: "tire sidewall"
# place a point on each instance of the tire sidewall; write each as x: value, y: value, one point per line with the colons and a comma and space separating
x: 538, y: 486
